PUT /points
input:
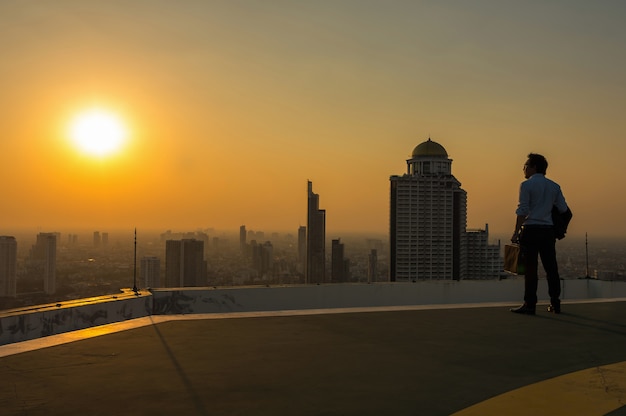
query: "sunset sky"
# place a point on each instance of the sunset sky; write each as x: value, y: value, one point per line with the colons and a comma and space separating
x: 231, y: 106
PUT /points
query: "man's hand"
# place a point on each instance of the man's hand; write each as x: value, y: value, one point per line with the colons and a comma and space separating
x: 519, y: 223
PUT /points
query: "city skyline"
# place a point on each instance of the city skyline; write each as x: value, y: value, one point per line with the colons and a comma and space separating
x: 231, y: 106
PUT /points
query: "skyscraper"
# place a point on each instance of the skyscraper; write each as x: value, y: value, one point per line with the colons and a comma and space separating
x: 428, y: 218
x: 43, y: 260
x: 150, y: 271
x: 255, y: 257
x: 242, y: 241
x: 8, y: 266
x: 372, y: 266
x: 265, y: 262
x: 315, y: 240
x: 184, y: 263
x: 340, y: 266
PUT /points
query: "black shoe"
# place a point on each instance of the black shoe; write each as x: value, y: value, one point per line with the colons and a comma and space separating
x: 525, y: 309
x: 554, y: 308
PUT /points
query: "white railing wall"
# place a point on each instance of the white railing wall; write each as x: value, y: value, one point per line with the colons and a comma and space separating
x: 44, y: 320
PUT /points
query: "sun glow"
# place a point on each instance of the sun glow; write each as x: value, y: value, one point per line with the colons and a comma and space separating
x: 98, y: 132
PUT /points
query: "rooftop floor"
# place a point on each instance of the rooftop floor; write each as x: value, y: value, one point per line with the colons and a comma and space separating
x: 429, y: 360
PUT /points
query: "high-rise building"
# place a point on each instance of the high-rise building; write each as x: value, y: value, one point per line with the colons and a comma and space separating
x: 255, y: 257
x: 340, y: 266
x: 8, y: 266
x: 43, y: 260
x: 184, y: 263
x: 150, y: 271
x: 262, y: 258
x: 428, y: 218
x: 96, y: 239
x: 483, y: 259
x: 243, y: 249
x: 316, y: 236
x: 72, y: 239
x: 266, y: 254
x: 372, y: 266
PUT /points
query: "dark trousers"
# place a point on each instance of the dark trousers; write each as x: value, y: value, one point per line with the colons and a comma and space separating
x: 539, y: 241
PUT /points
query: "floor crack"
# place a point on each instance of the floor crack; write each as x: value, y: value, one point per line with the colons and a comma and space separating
x: 610, y: 388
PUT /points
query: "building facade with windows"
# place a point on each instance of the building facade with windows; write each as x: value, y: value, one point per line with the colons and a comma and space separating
x: 151, y: 271
x: 483, y: 259
x: 43, y: 261
x: 184, y: 263
x: 8, y: 266
x: 428, y: 218
x: 339, y: 264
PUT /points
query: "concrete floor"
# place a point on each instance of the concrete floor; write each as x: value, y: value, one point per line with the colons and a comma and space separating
x: 471, y: 360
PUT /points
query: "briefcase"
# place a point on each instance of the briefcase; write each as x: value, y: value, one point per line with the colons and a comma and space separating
x: 513, y: 259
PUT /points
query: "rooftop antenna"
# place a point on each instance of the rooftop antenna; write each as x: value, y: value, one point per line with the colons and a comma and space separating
x: 586, y: 258
x: 135, y: 266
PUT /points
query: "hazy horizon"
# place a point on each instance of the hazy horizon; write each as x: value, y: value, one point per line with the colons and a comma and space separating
x: 231, y: 106
x: 28, y: 235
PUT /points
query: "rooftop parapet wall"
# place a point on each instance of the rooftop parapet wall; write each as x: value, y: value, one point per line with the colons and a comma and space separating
x: 40, y: 321
x: 297, y: 297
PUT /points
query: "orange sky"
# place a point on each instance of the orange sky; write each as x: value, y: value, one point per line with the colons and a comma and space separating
x: 233, y: 105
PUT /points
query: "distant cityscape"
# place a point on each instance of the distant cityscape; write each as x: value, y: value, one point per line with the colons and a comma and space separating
x: 428, y: 240
x: 85, y: 270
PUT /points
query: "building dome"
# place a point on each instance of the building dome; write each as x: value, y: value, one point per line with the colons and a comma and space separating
x: 429, y: 149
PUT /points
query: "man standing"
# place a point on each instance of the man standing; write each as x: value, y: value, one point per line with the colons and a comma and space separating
x: 534, y: 232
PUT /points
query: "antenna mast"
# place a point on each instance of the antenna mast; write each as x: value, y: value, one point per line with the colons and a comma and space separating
x: 586, y: 259
x: 135, y: 266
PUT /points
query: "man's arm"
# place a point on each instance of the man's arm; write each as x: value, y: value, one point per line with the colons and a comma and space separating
x: 560, y: 203
x: 518, y: 226
x: 522, y: 210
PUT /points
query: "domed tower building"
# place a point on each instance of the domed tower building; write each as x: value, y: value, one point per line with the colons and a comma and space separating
x: 428, y: 218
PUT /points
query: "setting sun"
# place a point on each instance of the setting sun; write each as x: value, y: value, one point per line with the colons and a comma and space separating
x: 98, y: 132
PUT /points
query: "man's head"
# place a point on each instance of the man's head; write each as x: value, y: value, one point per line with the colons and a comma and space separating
x: 536, y: 163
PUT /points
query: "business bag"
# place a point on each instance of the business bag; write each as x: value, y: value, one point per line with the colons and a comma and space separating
x: 560, y: 221
x: 513, y: 259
